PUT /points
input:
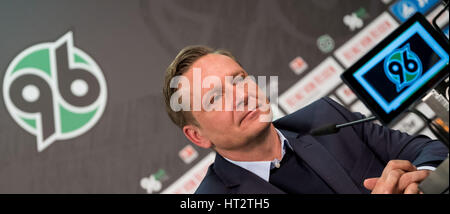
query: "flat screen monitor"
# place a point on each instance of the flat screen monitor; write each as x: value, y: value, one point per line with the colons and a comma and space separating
x: 401, y: 69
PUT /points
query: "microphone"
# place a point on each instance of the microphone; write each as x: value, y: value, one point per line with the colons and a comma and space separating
x: 334, y: 128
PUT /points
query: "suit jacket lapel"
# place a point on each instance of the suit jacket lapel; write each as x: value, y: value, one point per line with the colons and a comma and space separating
x: 242, y: 181
x: 322, y: 162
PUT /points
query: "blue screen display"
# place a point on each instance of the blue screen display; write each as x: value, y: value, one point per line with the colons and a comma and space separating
x: 402, y: 67
x: 445, y: 31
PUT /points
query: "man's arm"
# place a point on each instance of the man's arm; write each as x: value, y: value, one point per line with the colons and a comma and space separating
x: 391, y: 144
x: 397, y: 150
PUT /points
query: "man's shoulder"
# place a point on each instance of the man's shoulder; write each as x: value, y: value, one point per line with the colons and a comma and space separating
x: 211, y: 183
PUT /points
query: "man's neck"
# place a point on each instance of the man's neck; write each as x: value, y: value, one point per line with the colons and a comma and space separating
x: 265, y: 147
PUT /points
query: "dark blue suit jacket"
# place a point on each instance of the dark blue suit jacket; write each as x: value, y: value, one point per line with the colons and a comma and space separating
x: 342, y: 160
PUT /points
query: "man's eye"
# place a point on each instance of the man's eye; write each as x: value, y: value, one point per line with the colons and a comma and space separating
x: 215, y: 98
x: 238, y: 79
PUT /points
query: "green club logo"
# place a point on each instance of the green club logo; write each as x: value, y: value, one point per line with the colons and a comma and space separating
x: 403, y: 67
x: 54, y: 91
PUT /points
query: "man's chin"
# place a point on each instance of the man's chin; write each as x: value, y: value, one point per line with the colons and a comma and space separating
x: 257, y: 125
x: 266, y: 116
x: 257, y: 131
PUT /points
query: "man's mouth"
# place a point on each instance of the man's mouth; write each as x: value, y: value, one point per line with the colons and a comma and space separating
x: 250, y: 114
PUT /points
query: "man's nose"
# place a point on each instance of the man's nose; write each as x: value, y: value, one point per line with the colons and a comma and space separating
x: 242, y: 103
x: 240, y: 99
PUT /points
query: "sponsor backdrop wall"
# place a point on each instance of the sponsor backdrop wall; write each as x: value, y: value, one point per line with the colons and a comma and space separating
x: 81, y: 104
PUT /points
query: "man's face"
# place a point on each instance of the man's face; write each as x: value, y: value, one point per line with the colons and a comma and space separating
x: 227, y: 125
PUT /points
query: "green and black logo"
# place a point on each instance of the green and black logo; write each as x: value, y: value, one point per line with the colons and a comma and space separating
x: 54, y: 91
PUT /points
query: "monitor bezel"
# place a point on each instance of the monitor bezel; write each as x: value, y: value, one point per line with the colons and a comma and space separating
x: 368, y: 100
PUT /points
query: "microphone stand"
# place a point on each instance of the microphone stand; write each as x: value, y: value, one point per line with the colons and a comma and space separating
x: 356, y: 122
x: 334, y: 128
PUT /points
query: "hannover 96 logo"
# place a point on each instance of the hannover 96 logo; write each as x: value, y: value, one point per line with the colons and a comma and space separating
x: 403, y: 67
x: 54, y: 91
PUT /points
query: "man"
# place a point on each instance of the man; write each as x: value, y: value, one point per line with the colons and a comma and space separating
x: 258, y: 156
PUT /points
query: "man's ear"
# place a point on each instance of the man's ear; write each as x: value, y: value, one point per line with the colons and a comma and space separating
x: 193, y: 133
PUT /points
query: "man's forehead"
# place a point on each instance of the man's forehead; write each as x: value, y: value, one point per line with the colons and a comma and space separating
x: 215, y: 64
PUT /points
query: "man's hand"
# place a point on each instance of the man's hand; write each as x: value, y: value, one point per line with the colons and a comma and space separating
x: 399, y: 176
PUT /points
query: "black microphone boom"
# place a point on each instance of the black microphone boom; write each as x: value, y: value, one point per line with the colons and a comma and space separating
x: 334, y: 128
